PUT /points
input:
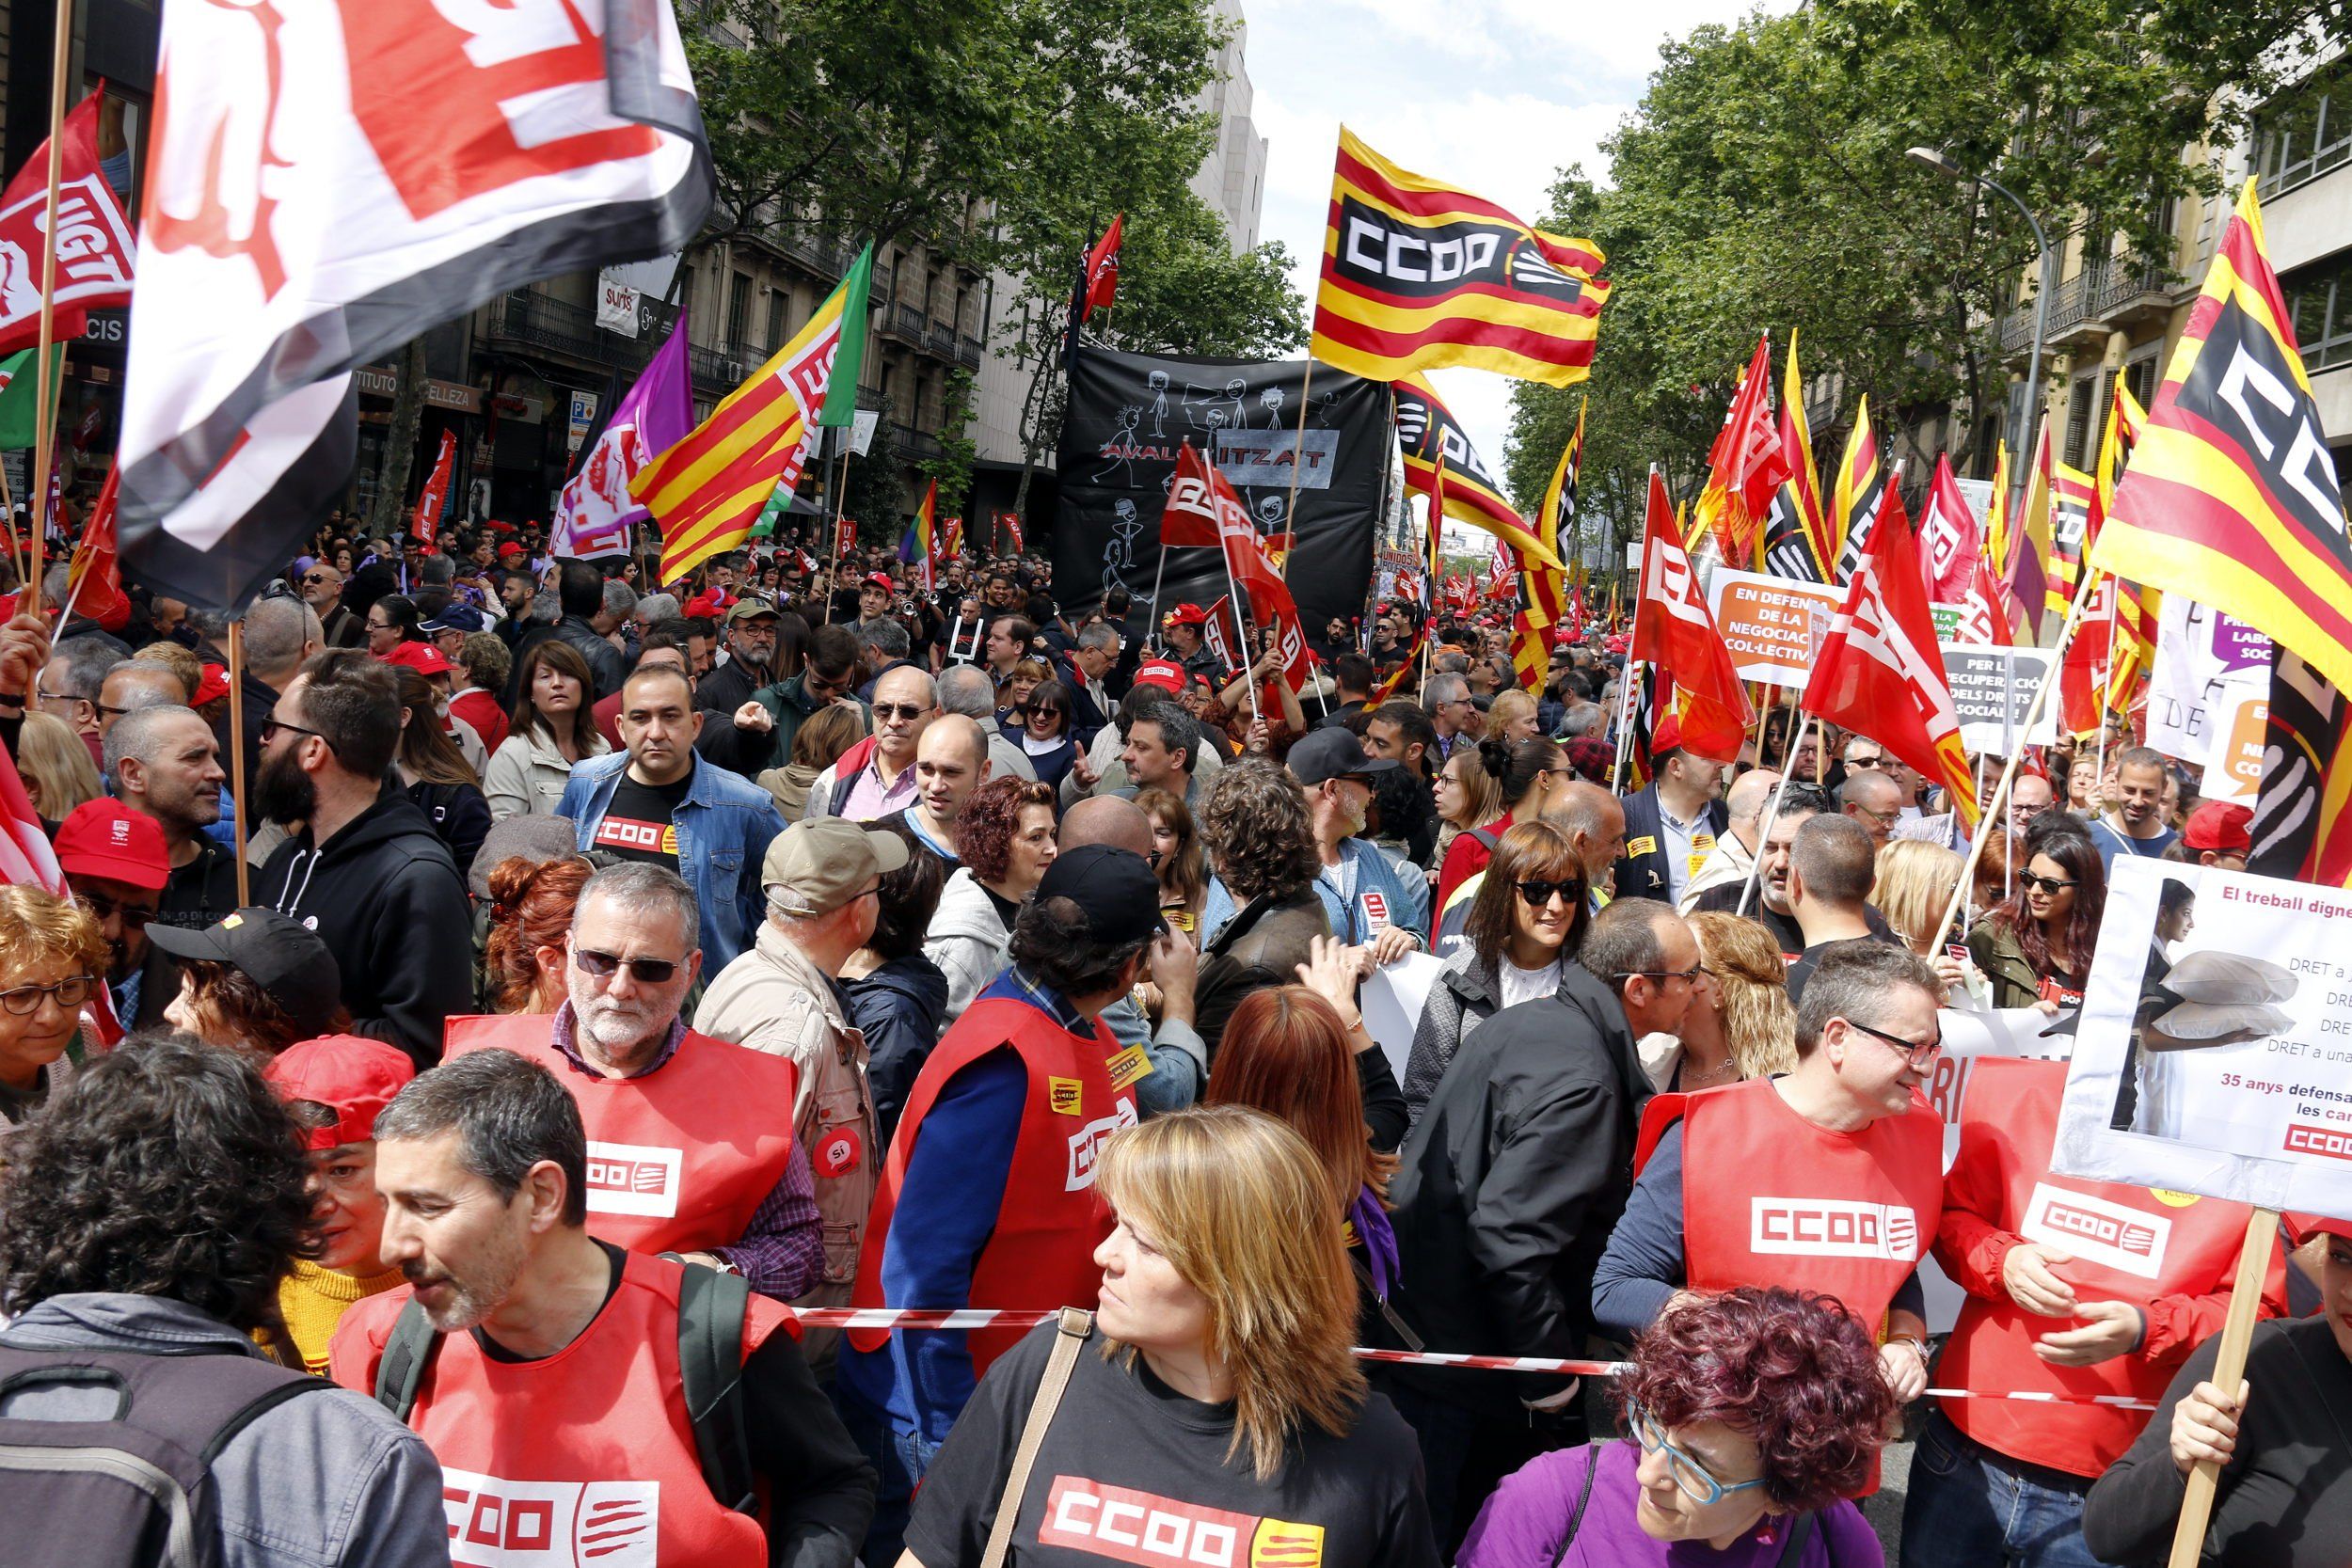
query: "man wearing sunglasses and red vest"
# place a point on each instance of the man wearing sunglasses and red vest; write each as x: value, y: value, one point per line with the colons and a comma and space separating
x: 2076, y: 1288
x: 1827, y: 1179
x: 690, y: 1145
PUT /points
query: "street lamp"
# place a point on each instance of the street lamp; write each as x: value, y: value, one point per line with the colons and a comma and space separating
x: 1944, y: 166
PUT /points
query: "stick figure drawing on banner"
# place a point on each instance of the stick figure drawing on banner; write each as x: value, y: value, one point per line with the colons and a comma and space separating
x: 1270, y: 398
x: 1121, y: 448
x: 1119, y: 551
x: 1157, y: 381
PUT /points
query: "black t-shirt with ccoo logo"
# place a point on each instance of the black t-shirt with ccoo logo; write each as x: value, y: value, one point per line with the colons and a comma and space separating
x: 640, y: 823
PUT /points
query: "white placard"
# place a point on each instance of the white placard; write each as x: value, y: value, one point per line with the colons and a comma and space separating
x: 2200, y: 654
x: 616, y: 305
x: 1390, y: 1001
x: 2241, y: 720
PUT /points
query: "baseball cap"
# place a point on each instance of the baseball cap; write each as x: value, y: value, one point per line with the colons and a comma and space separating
x: 1185, y: 615
x: 746, y: 609
x: 881, y: 580
x: 286, y: 959
x: 2218, y: 826
x: 351, y: 1075
x: 1168, y: 676
x: 508, y: 548
x: 424, y: 657
x: 1333, y: 753
x: 107, y: 839
x: 211, y: 687
x: 1115, y: 889
x: 455, y: 617
x: 817, y: 864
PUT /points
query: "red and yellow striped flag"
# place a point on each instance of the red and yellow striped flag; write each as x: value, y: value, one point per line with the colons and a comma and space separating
x: 1418, y: 274
x: 1430, y: 438
x: 1861, y: 488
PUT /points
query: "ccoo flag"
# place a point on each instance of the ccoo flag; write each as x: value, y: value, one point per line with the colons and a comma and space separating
x: 1417, y: 274
x: 1674, y: 630
x: 1432, y: 438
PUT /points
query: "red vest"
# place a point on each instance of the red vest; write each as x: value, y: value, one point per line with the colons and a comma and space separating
x: 679, y: 1159
x: 1042, y: 1253
x: 583, y: 1460
x: 1768, y: 1198
x: 2129, y: 1244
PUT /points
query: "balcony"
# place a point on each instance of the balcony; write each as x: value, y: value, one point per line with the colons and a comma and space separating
x: 533, y: 320
x: 2091, y: 303
x: 721, y: 368
x: 906, y: 323
x: 915, y: 446
x: 942, y: 340
x: 968, y: 353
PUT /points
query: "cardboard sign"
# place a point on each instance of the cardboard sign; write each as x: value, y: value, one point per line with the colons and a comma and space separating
x: 1770, y: 624
x: 1992, y: 689
x: 2226, y: 1069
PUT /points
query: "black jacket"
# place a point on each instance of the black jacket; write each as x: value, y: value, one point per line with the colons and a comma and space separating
x: 900, y: 1008
x: 729, y: 687
x: 604, y: 661
x: 1642, y: 874
x: 1510, y: 1182
x: 1262, y: 945
x: 385, y: 895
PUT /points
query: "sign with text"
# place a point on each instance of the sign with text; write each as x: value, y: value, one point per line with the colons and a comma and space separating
x: 2202, y: 658
x: 2241, y: 710
x: 1949, y: 618
x: 2221, y: 1063
x: 1993, y: 688
x: 1770, y: 624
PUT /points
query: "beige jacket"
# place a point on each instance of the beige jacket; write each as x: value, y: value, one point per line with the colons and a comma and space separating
x: 774, y: 999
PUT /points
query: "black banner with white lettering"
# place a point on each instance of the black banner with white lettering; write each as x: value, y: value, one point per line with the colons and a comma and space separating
x: 1128, y: 416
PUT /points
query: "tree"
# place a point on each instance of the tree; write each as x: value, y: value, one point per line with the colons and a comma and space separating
x: 387, y: 517
x: 952, y: 467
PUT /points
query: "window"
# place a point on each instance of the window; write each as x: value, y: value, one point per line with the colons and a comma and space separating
x: 2305, y: 131
x: 2082, y: 414
x: 738, y: 309
x: 777, y: 301
x: 2141, y: 374
x: 2319, y: 306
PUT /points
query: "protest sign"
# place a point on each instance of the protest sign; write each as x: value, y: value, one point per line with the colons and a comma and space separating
x: 2219, y: 1063
x: 2205, y: 662
x: 1770, y: 624
x: 2241, y: 723
x: 1949, y: 618
x: 1992, y: 689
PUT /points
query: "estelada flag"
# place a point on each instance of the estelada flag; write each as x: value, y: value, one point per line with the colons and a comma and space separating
x: 1879, y: 672
x: 322, y: 189
x: 1674, y: 630
x: 94, y: 243
x: 1429, y: 437
x: 1417, y: 274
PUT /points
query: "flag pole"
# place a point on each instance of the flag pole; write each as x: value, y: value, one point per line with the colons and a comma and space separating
x: 45, y: 416
x: 1764, y: 829
x: 1249, y: 664
x: 1991, y: 810
x: 1298, y: 451
x: 1159, y: 575
x: 2229, y: 1371
x: 236, y: 751
x: 1624, y: 693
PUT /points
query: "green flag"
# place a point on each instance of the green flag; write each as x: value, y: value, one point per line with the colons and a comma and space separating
x: 777, y: 503
x: 850, y: 356
x: 20, y: 395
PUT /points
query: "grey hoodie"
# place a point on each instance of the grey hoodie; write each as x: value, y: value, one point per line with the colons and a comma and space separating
x: 327, y: 1481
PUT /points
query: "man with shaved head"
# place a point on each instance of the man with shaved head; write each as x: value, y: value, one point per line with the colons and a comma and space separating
x: 1832, y: 867
x: 1180, y: 1059
x: 1594, y: 821
x: 1746, y: 801
x: 163, y: 764
x: 875, y: 778
x: 1872, y: 801
x: 950, y: 762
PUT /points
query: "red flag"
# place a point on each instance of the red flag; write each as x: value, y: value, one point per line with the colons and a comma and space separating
x: 1010, y: 523
x: 951, y: 539
x: 95, y: 578
x: 1992, y: 609
x: 2082, y: 672
x: 1879, y: 674
x: 1575, y: 624
x: 94, y: 243
x: 1188, y: 519
x: 1674, y: 630
x: 1199, y: 498
x: 1223, y: 637
x: 427, y: 526
x: 844, y: 537
x: 1102, y: 269
x: 1949, y: 544
x: 1746, y: 463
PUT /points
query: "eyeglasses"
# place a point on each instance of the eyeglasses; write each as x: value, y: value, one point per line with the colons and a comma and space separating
x: 135, y: 916
x: 1917, y: 1054
x: 1688, y: 1472
x: 1537, y: 894
x: 2046, y: 884
x: 1691, y: 973
x: 271, y: 726
x: 1886, y: 819
x: 1853, y: 764
x: 645, y: 972
x: 24, y: 1000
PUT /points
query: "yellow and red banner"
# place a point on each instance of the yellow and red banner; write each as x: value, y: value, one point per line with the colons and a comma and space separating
x: 1430, y: 438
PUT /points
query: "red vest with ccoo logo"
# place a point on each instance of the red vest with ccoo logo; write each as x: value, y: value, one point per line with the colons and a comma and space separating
x: 678, y: 1159
x: 583, y: 1459
x: 2127, y: 1243
x: 1041, y: 1252
x: 1771, y: 1199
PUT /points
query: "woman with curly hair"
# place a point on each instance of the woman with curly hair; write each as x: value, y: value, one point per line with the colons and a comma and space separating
x: 1261, y: 845
x: 1752, y: 1419
x: 1176, y: 858
x: 530, y: 915
x: 52, y: 956
x: 1006, y: 837
x: 1740, y: 1023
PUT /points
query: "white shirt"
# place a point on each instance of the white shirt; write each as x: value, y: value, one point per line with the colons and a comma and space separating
x: 1528, y: 985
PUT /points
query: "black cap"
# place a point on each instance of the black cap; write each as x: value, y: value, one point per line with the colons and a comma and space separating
x: 1114, y: 888
x: 286, y: 959
x: 1333, y: 753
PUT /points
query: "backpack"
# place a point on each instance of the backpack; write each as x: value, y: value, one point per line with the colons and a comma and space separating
x: 710, y: 1309
x: 134, y: 1491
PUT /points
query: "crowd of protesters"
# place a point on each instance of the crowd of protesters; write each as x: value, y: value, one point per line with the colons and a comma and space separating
x: 615, y: 966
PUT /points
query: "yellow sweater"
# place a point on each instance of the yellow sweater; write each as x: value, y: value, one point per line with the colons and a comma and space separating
x: 313, y: 1301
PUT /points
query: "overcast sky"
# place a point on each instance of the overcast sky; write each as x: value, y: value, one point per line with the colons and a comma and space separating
x: 1495, y: 96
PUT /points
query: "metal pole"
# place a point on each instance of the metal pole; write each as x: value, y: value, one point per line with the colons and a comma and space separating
x: 2046, y: 285
x: 1764, y: 830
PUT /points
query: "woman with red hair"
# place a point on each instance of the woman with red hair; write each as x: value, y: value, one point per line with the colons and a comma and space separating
x: 1753, y: 1416
x: 531, y: 917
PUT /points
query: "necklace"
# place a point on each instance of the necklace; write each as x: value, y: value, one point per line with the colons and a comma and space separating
x: 1729, y: 1065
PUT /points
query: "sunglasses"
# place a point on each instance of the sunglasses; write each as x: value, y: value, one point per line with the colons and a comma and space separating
x: 1539, y: 893
x: 311, y: 578
x: 2046, y: 884
x: 908, y: 711
x: 1917, y: 1054
x: 1854, y: 763
x: 134, y: 917
x: 645, y: 972
x: 1038, y: 710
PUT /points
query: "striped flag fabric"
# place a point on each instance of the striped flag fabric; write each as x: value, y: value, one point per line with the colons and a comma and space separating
x: 1432, y: 438
x: 1860, y: 490
x: 1996, y: 515
x: 707, y: 490
x: 1556, y: 524
x: 1418, y: 274
x: 1797, y: 509
x: 2029, y: 532
x: 919, y: 545
x: 2074, y: 497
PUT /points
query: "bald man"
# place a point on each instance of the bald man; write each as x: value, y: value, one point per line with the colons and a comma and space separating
x: 1594, y: 821
x: 1747, y: 799
x: 875, y: 778
x: 1179, y: 1057
x: 950, y: 762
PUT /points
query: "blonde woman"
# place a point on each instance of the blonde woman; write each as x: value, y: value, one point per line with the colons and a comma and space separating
x: 1913, y: 887
x: 1511, y: 717
x: 55, y: 763
x: 1216, y: 1382
x: 53, y: 957
x: 1741, y: 1023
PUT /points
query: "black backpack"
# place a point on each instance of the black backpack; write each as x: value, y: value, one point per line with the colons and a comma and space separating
x: 711, y: 1362
x: 134, y: 1491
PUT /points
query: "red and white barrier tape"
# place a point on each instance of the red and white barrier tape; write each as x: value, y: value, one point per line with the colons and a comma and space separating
x: 975, y: 1317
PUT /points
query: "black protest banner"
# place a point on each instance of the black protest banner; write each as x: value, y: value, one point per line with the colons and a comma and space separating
x: 1129, y: 413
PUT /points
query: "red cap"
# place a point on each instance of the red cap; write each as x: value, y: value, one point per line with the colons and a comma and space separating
x: 107, y: 839
x: 704, y: 605
x: 2218, y: 826
x: 1666, y: 738
x: 1160, y: 672
x: 214, y: 685
x: 881, y: 580
x: 1185, y: 615
x: 424, y: 657
x: 351, y: 1075
x: 508, y: 550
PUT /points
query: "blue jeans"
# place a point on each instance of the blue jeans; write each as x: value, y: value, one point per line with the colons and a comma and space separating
x: 900, y: 1457
x: 1971, y: 1508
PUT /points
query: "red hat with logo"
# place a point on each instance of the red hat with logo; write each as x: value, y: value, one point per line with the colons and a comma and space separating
x: 2218, y: 827
x: 1185, y: 615
x: 1162, y: 674
x: 351, y: 1075
x: 108, y: 840
x: 424, y: 657
x: 508, y: 550
x: 214, y: 685
x: 881, y: 580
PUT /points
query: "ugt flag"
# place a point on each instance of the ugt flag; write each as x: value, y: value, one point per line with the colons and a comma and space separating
x: 94, y: 244
x: 596, y: 510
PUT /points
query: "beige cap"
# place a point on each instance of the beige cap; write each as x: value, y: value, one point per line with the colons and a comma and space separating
x: 815, y: 866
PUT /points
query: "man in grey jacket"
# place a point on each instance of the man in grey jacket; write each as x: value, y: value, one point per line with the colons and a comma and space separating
x: 161, y: 1257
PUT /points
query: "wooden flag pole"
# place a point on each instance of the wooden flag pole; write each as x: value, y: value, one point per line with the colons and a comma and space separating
x: 2229, y: 1371
x: 1298, y: 452
x: 236, y: 751
x: 46, y: 417
x: 18, y: 558
x: 1625, y: 679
